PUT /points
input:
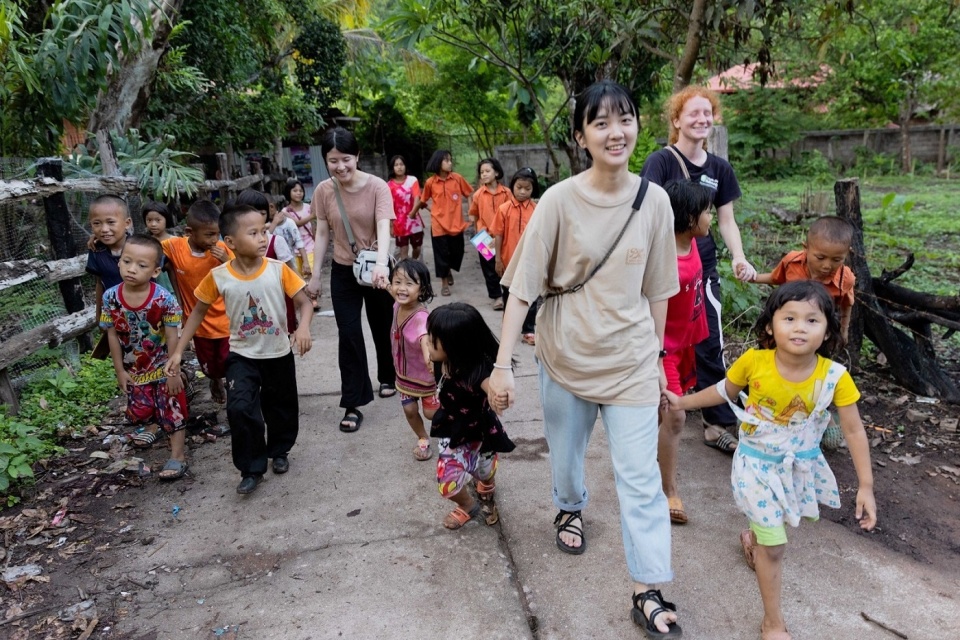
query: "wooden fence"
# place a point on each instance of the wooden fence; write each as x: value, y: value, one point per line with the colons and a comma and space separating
x: 67, y: 267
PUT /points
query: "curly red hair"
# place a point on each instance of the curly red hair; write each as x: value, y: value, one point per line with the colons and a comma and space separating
x: 676, y: 102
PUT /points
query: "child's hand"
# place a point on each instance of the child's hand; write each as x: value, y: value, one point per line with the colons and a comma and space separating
x: 673, y: 400
x: 279, y: 216
x: 307, y: 273
x: 174, y: 385
x: 302, y: 340
x: 866, y: 509
x: 124, y: 381
x: 173, y: 366
x: 219, y: 253
x: 92, y: 243
x: 499, y: 266
x: 743, y: 270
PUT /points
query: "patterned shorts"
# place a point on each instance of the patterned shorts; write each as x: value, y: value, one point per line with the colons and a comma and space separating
x: 150, y: 404
x: 454, y: 465
x: 430, y: 403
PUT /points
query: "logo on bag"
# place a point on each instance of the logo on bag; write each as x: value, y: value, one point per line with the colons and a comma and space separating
x: 634, y: 256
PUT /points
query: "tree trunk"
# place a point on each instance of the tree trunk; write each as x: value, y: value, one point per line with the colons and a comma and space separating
x: 906, y: 154
x: 554, y: 175
x: 121, y: 106
x: 691, y: 49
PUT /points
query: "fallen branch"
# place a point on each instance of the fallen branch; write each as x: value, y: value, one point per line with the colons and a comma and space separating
x: 28, y: 614
x: 899, y: 634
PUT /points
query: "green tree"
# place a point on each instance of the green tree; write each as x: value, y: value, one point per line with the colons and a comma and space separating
x: 53, y: 67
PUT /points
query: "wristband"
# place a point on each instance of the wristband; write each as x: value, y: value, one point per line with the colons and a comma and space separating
x: 505, y: 367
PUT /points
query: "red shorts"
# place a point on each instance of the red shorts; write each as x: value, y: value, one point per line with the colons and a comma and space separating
x: 415, y: 239
x: 150, y: 404
x: 212, y: 355
x: 681, y: 369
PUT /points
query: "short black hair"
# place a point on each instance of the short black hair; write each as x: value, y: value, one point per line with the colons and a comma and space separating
x: 689, y: 199
x: 255, y: 199
x: 203, y: 212
x: 466, y: 339
x: 146, y: 240
x: 526, y: 173
x: 288, y: 189
x: 229, y: 219
x: 833, y: 229
x: 393, y: 161
x: 160, y: 208
x: 433, y: 164
x: 111, y: 199
x: 800, y: 290
x: 597, y: 95
x: 419, y: 273
x: 493, y: 162
x: 340, y: 139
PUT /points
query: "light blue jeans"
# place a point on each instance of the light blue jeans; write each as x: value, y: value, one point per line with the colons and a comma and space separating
x: 632, y: 435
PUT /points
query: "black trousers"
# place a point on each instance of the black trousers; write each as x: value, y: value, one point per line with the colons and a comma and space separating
x: 489, y: 270
x: 348, y: 298
x: 447, y: 254
x: 530, y: 321
x: 710, y: 365
x: 261, y: 400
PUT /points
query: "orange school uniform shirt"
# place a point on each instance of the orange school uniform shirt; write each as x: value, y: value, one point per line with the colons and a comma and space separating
x: 447, y: 194
x: 793, y: 266
x: 511, y: 219
x: 191, y: 269
x: 484, y: 205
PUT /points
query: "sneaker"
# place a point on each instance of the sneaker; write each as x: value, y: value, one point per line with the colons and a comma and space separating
x: 249, y: 484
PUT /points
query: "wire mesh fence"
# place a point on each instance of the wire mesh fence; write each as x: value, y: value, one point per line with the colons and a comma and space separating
x: 23, y: 236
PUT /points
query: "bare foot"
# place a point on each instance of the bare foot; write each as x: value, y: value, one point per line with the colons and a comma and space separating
x: 774, y: 631
x: 216, y: 391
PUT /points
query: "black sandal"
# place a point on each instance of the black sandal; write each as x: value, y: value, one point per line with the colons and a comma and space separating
x: 645, y: 623
x: 387, y: 390
x: 566, y: 527
x: 353, y: 418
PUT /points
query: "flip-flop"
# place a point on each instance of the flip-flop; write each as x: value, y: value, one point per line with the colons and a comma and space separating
x: 677, y: 514
x: 726, y: 443
x: 748, y: 542
x: 353, y: 423
x: 458, y: 517
x: 498, y: 305
x: 445, y: 291
x: 173, y: 465
x: 530, y: 338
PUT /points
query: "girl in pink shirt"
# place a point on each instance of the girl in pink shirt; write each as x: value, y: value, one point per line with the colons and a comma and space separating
x: 411, y: 290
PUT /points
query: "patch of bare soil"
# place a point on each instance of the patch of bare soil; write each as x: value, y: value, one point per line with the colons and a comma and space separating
x: 75, y: 522
x: 915, y: 452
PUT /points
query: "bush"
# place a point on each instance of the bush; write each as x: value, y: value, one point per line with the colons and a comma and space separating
x: 19, y: 449
x: 63, y: 403
x: 646, y: 145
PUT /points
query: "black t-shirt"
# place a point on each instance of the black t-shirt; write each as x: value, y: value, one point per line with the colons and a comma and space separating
x: 716, y: 173
x: 465, y: 416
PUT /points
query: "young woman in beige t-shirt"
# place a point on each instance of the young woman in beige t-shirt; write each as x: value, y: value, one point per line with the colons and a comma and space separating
x: 598, y: 345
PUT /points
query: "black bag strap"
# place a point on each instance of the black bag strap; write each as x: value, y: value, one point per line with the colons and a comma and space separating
x: 644, y: 183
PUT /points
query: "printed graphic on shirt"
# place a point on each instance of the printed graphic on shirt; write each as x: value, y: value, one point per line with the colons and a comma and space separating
x: 709, y: 182
x: 791, y: 415
x: 141, y: 331
x: 634, y: 256
x: 697, y: 285
x: 256, y: 321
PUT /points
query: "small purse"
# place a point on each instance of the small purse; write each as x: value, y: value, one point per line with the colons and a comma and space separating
x: 366, y: 259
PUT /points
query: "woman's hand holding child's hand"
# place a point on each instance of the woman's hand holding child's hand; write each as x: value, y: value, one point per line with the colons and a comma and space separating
x: 743, y: 270
x: 866, y: 509
x: 673, y: 400
x: 500, y: 390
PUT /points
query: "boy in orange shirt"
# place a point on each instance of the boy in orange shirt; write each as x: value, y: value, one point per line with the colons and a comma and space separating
x: 484, y: 204
x: 507, y: 227
x: 827, y: 246
x: 189, y: 260
x: 447, y: 190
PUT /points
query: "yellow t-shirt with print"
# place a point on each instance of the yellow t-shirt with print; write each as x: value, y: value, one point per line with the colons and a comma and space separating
x: 772, y: 398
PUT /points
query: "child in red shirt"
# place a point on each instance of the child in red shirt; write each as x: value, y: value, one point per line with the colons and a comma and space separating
x: 686, y: 325
x: 824, y: 252
x: 447, y: 190
x: 484, y: 204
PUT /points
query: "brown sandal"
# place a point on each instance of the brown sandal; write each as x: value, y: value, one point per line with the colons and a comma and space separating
x: 677, y: 514
x: 486, y: 489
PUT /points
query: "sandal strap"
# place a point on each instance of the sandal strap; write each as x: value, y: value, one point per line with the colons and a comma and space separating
x: 726, y: 440
x: 568, y: 527
x: 640, y: 599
